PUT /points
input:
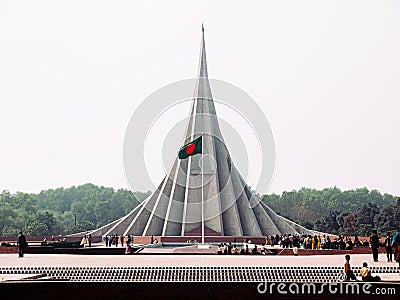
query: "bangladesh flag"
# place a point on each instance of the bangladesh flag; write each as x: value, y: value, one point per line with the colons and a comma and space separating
x: 190, y: 149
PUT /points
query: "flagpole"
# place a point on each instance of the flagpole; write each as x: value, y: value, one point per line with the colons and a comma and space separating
x: 202, y: 192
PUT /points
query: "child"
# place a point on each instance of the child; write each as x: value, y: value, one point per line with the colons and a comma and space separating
x: 365, y: 274
x: 347, y: 269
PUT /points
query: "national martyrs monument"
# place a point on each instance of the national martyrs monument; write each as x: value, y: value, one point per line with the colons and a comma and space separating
x: 203, y: 194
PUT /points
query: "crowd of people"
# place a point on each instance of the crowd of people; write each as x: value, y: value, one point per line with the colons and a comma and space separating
x: 316, y: 242
x: 229, y: 248
x: 391, y: 244
x: 115, y: 240
x: 392, y: 247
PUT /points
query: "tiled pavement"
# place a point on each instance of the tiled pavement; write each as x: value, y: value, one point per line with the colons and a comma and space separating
x: 387, y: 271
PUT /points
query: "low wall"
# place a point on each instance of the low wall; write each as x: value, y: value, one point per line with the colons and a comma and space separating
x: 4, y: 250
x: 146, y: 239
x: 84, y: 251
x: 38, y: 239
x: 212, y: 239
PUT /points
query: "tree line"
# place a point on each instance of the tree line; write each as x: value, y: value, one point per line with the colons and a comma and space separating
x: 331, y: 210
x: 64, y: 211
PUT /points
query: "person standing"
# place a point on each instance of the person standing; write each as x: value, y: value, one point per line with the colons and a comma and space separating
x: 89, y: 240
x: 328, y: 242
x: 132, y: 238
x: 121, y: 238
x: 339, y: 242
x: 229, y: 248
x: 388, y: 247
x: 84, y: 241
x: 397, y: 256
x: 374, y: 242
x: 323, y: 242
x: 396, y: 245
x: 22, y: 244
x: 113, y: 239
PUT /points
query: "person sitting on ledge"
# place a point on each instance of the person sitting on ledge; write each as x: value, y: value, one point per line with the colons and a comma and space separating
x: 245, y: 250
x: 357, y: 242
x: 225, y: 249
x: 262, y: 250
x: 365, y: 274
x: 255, y: 250
x: 349, y: 244
x: 128, y: 249
x: 365, y: 243
x: 220, y: 249
x: 235, y: 249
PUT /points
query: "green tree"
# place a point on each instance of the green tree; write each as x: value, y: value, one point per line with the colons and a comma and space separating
x: 328, y: 223
x: 365, y: 218
x: 349, y: 224
x: 36, y: 228
x: 388, y: 219
x: 84, y: 226
x: 48, y: 220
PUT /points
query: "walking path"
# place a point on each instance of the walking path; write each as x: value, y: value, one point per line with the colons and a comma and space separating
x: 157, y: 260
x: 7, y: 260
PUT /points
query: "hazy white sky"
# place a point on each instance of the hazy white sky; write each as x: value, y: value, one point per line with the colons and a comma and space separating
x: 326, y: 74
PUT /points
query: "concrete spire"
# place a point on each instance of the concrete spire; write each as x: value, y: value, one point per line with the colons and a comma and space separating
x: 230, y: 207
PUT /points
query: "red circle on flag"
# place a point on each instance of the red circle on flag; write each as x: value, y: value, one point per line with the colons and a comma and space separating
x: 190, y: 148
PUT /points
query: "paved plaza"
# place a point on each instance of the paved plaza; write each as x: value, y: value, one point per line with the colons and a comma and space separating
x: 185, y: 260
x: 21, y: 283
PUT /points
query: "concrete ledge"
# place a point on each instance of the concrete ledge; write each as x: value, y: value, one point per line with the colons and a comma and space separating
x: 304, y: 252
x: 85, y: 251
